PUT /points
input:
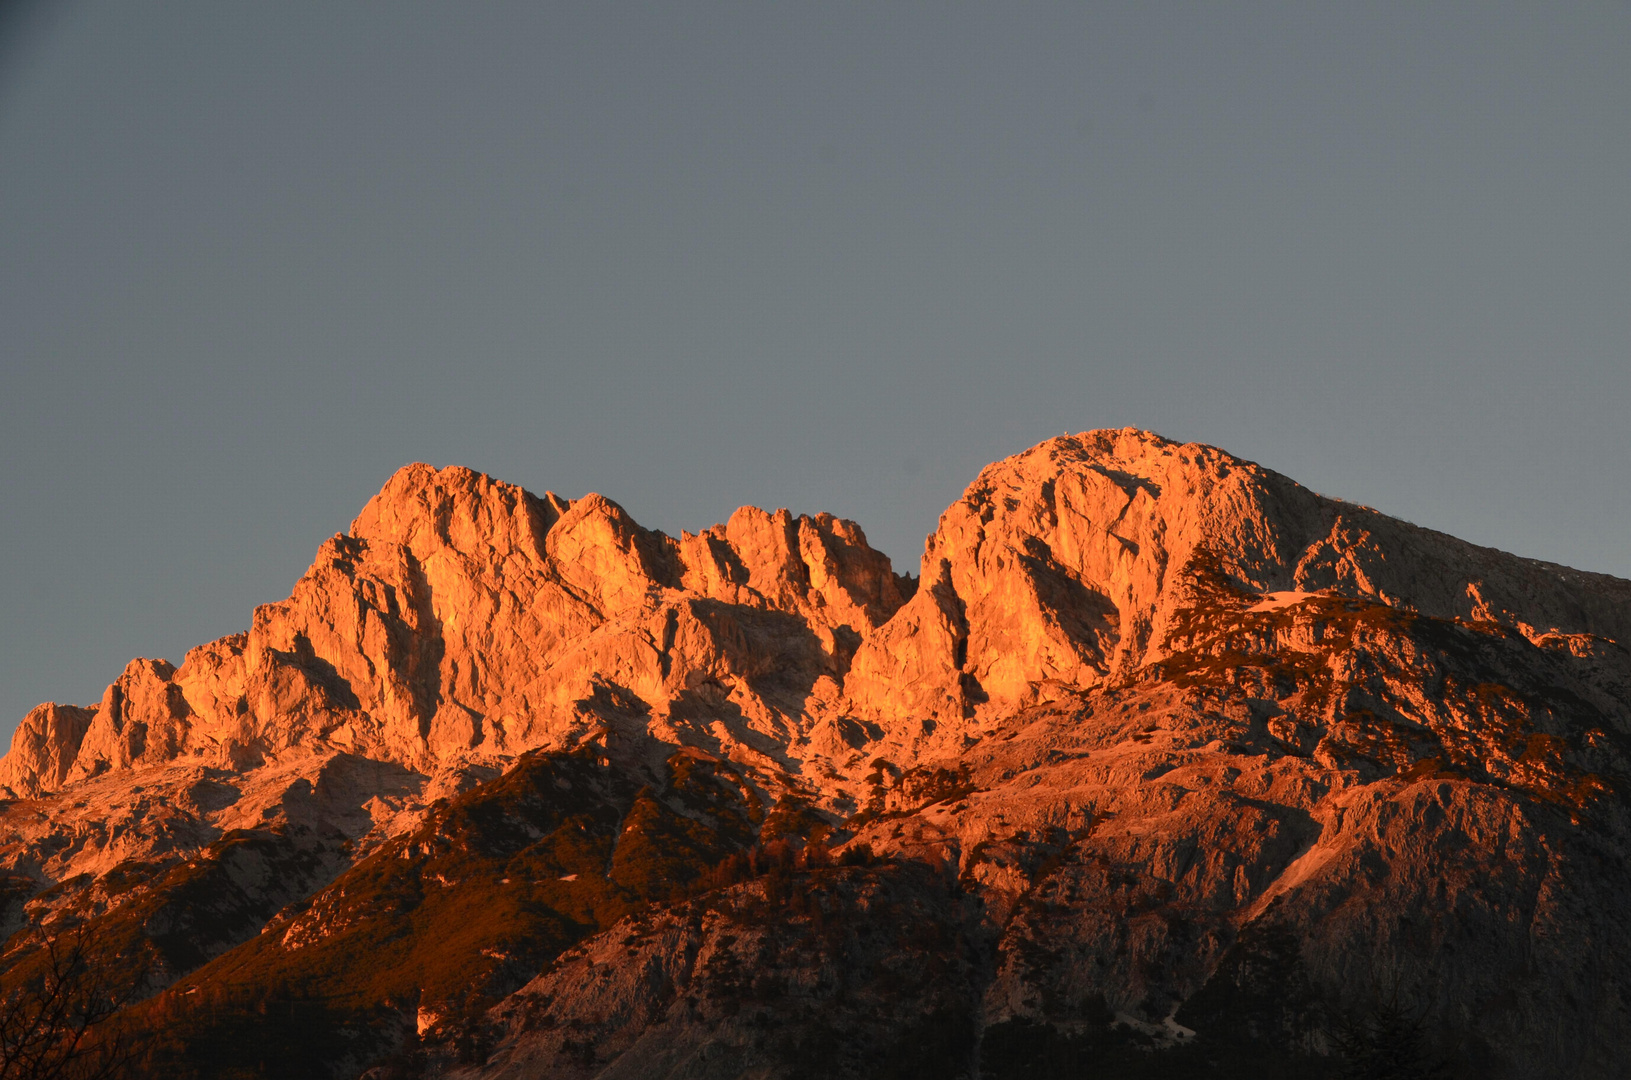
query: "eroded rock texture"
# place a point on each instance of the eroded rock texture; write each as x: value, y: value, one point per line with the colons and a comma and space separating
x: 1160, y: 754
x: 465, y: 619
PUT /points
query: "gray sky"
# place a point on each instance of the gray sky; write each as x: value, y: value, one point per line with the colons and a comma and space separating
x: 823, y: 256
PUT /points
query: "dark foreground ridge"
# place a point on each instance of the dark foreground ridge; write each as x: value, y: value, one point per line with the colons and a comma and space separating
x: 1161, y: 766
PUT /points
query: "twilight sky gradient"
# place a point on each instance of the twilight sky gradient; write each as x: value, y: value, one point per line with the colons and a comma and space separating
x: 823, y: 256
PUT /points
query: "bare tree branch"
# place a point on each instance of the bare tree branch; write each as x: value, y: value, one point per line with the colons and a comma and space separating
x: 52, y: 1021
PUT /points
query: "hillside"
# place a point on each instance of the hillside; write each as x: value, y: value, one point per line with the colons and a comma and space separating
x: 1161, y: 764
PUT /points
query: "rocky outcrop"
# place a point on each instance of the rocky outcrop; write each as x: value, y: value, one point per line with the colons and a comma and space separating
x: 1152, y: 721
x: 466, y: 618
x: 44, y: 748
x: 1309, y: 812
x: 1070, y: 564
x: 461, y: 617
x: 709, y: 987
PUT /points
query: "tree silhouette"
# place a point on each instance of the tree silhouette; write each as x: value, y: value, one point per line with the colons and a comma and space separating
x: 1388, y: 1042
x: 52, y: 1020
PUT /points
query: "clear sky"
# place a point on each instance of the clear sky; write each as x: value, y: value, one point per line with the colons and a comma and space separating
x: 255, y: 256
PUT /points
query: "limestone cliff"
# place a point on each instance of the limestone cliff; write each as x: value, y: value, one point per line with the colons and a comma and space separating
x: 462, y: 617
x: 1150, y: 720
x: 465, y: 618
x: 1069, y: 565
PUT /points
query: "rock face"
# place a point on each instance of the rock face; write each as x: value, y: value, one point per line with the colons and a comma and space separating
x: 1071, y: 563
x: 462, y: 618
x: 44, y: 748
x: 1152, y: 721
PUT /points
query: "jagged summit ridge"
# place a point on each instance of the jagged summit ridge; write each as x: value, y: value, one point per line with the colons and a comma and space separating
x: 465, y: 617
x: 1152, y: 719
x: 461, y: 614
x: 1068, y: 564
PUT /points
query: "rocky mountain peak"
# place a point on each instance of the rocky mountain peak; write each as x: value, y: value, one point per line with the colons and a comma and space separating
x: 428, y: 510
x: 465, y: 616
x: 1152, y: 719
x: 1072, y: 563
x: 44, y: 748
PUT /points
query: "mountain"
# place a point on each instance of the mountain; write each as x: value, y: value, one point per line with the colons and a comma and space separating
x: 1162, y: 765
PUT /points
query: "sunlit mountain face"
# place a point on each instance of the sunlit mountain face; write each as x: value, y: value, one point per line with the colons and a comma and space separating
x: 1160, y: 765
